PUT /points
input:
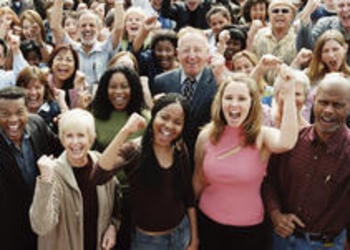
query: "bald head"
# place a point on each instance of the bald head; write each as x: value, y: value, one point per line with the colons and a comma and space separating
x: 335, y: 82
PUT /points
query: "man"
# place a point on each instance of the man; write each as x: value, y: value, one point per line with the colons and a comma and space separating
x: 93, y: 55
x: 194, y: 80
x: 308, y: 33
x: 23, y: 139
x: 307, y: 190
x: 278, y: 38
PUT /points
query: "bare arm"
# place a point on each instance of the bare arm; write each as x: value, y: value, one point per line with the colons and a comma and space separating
x: 284, y: 139
x: 191, y: 212
x: 110, y: 156
x: 199, y: 181
x: 55, y: 17
x: 149, y: 24
x: 117, y: 29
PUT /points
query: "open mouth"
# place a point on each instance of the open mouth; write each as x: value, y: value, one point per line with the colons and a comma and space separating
x: 13, y: 130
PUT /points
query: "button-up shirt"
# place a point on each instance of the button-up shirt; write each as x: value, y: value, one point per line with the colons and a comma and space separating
x: 94, y: 63
x: 313, y: 181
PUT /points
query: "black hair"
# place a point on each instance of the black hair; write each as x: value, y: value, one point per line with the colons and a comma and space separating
x: 236, y: 33
x: 249, y: 4
x: 28, y: 46
x: 149, y: 172
x: 163, y: 35
x: 101, y: 105
x: 4, y: 45
x: 12, y: 93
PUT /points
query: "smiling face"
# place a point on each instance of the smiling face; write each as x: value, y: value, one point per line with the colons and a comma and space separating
x: 119, y: 91
x: 333, y: 54
x: 164, y: 52
x: 77, y: 142
x: 343, y: 10
x: 34, y: 95
x: 258, y: 12
x: 133, y: 22
x: 193, y: 53
x: 243, y: 64
x: 13, y: 118
x: 63, y: 65
x: 70, y: 26
x: 88, y: 32
x: 27, y: 29
x: 236, y: 103
x: 330, y: 109
x: 281, y: 17
x: 168, y: 124
x: 232, y: 47
x: 300, y: 96
x: 217, y: 22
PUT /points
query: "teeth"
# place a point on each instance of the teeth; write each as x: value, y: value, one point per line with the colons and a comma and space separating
x: 165, y: 132
x: 235, y: 114
x: 13, y: 127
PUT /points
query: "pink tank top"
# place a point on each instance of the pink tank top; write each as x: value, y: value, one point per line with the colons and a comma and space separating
x: 233, y: 194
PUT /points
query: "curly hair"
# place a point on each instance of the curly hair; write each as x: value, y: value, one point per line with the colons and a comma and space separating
x: 101, y: 105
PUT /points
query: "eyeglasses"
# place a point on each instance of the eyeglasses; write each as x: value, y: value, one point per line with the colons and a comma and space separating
x: 283, y: 11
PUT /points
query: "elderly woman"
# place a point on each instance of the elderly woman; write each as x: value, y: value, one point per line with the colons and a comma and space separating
x: 68, y: 210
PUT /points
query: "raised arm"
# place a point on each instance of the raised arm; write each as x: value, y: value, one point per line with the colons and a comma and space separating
x: 118, y: 24
x: 110, y: 156
x: 151, y: 23
x: 284, y: 139
x: 45, y: 208
x: 55, y: 16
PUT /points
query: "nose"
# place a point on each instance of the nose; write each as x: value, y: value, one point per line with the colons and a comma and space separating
x: 329, y: 109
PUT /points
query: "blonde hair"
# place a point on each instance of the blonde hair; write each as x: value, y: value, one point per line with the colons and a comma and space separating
x: 34, y: 17
x: 251, y: 125
x: 317, y: 69
x: 77, y: 118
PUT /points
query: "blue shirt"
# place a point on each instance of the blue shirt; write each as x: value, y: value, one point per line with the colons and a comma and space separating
x: 25, y: 158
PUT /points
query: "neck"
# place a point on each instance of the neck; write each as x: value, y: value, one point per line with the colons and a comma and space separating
x: 280, y: 33
x: 78, y: 163
x: 87, y: 48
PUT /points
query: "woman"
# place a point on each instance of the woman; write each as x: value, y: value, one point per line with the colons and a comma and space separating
x: 231, y: 156
x: 162, y: 207
x: 119, y: 94
x: 68, y: 210
x: 161, y: 56
x: 33, y: 29
x: 64, y: 64
x: 40, y: 98
x: 329, y: 55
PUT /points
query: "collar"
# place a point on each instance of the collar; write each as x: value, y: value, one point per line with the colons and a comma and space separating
x: 95, y: 48
x: 183, y: 76
x: 334, y: 144
x: 26, y: 136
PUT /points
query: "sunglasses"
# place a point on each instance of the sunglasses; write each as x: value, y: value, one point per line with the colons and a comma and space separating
x: 277, y: 11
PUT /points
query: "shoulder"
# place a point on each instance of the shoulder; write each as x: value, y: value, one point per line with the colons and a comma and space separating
x: 167, y: 75
x: 204, y: 135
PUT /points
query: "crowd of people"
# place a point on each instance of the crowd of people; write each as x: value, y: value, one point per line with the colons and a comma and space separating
x: 170, y: 124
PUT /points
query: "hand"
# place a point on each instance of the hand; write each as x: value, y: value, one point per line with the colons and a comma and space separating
x: 269, y: 61
x: 84, y: 99
x: 255, y: 26
x: 217, y: 65
x: 14, y: 42
x: 109, y: 238
x: 135, y: 123
x: 79, y: 81
x: 303, y: 57
x: 46, y: 166
x: 151, y: 23
x: 285, y: 224
x: 224, y: 36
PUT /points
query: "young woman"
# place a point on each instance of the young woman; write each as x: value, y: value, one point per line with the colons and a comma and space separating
x: 119, y: 94
x: 162, y: 204
x: 231, y: 156
x: 40, y: 97
x: 329, y: 55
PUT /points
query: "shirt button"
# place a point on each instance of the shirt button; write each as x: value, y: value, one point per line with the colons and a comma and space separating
x: 299, y: 209
x: 77, y: 213
x: 315, y: 157
x: 308, y: 175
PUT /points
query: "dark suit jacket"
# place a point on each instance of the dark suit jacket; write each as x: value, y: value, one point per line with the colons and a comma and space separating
x: 15, y: 194
x: 201, y: 101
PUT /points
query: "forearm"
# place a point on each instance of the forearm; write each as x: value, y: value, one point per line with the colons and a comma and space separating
x: 117, y: 30
x: 191, y: 212
x: 289, y: 125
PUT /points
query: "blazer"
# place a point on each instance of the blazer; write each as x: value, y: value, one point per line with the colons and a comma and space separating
x: 200, y: 104
x: 15, y: 194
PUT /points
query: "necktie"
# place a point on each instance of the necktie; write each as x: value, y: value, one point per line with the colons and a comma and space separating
x: 188, y: 88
